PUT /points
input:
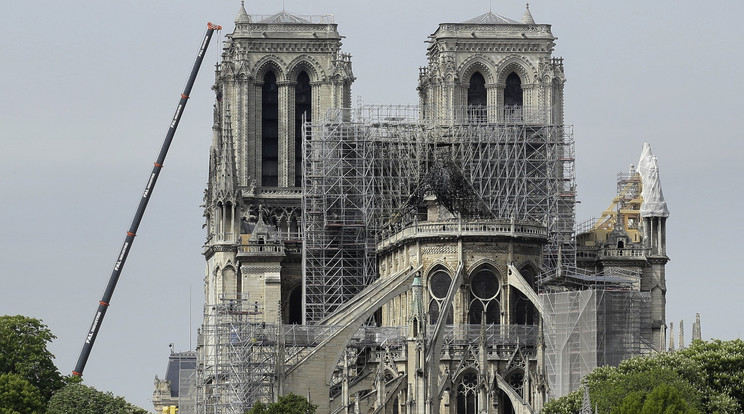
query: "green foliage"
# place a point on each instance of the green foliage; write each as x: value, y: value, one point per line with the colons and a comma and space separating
x: 81, y: 399
x: 665, y: 399
x: 722, y: 365
x: 705, y: 377
x: 632, y: 403
x: 23, y: 351
x: 608, y: 394
x: 258, y: 408
x: 288, y: 404
x: 567, y: 404
x: 18, y: 396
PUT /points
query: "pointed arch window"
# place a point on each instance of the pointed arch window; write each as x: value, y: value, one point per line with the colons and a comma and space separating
x: 467, y: 395
x: 524, y: 311
x: 270, y: 131
x: 484, y: 297
x: 439, y: 283
x: 295, y: 306
x: 303, y: 108
x: 477, y: 98
x: 513, y: 95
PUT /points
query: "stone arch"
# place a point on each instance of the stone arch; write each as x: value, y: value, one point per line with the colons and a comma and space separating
x: 465, y: 388
x: 267, y: 63
x: 485, y: 261
x: 437, y: 294
x: 307, y: 63
x: 230, y: 282
x: 477, y: 63
x: 529, y: 264
x: 292, y: 298
x: 438, y: 263
x: 524, y: 305
x: 517, y: 64
x: 484, y: 293
x: 503, y: 387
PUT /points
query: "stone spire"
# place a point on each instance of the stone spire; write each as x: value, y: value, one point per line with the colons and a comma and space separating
x: 417, y: 318
x: 226, y: 173
x: 671, y: 336
x: 696, y: 332
x: 681, y: 334
x: 243, y: 16
x: 527, y: 16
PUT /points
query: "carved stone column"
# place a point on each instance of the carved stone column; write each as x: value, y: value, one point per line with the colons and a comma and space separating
x: 286, y: 108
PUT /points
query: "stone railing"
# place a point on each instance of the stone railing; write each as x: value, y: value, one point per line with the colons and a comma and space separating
x: 466, y: 228
x: 605, y: 252
x: 392, y: 115
x: 261, y: 248
x: 630, y: 252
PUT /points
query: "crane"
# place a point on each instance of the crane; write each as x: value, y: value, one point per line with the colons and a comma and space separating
x: 121, y: 258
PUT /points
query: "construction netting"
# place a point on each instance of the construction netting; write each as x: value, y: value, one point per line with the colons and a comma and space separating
x: 585, y: 329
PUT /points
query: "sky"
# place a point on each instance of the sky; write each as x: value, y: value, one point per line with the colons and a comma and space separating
x: 88, y: 88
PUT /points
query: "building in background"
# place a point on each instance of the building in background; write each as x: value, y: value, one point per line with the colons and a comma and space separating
x: 178, y: 388
x: 418, y: 259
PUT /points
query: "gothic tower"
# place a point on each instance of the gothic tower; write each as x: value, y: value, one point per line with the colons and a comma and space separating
x: 502, y: 66
x: 276, y: 73
x: 654, y: 213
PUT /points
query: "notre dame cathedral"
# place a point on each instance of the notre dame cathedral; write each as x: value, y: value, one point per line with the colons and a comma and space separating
x: 413, y: 259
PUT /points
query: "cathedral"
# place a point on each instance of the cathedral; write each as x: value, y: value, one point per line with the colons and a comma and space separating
x: 413, y: 259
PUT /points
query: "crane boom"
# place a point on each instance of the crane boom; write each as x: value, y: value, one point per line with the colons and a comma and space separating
x: 103, y: 304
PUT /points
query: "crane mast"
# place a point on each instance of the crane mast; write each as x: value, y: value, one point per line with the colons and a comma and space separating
x: 121, y: 258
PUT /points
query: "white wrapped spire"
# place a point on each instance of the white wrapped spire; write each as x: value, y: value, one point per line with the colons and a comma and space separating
x: 653, y: 199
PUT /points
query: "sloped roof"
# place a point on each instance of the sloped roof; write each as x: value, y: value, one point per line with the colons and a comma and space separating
x: 284, y: 17
x: 243, y: 16
x: 527, y: 16
x: 491, y: 18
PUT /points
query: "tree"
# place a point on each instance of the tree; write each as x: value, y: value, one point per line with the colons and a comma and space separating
x: 722, y: 366
x: 665, y: 399
x: 704, y: 377
x: 82, y: 399
x: 288, y: 404
x: 18, y: 396
x: 23, y: 351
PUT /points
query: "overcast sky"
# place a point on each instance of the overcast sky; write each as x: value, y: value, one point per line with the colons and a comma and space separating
x: 87, y: 90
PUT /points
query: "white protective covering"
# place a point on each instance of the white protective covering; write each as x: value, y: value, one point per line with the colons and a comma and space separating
x: 653, y: 199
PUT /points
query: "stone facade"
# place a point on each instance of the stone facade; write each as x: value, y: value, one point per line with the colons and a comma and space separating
x: 453, y: 322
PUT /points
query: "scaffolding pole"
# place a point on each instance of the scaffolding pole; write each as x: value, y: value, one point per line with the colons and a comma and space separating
x: 363, y: 169
x: 237, y: 360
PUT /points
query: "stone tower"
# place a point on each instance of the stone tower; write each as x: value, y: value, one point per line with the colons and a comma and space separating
x: 654, y: 213
x: 501, y: 65
x: 276, y: 72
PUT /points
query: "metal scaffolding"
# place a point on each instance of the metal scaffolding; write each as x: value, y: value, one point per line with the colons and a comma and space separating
x: 237, y: 359
x: 585, y: 329
x: 368, y: 170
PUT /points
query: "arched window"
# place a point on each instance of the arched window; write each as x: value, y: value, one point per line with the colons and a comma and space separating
x: 230, y: 284
x: 477, y: 90
x: 295, y: 306
x: 513, y: 90
x: 303, y: 107
x: 467, y: 395
x: 477, y: 98
x: 484, y: 292
x: 524, y: 311
x: 270, y: 131
x: 439, y: 283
